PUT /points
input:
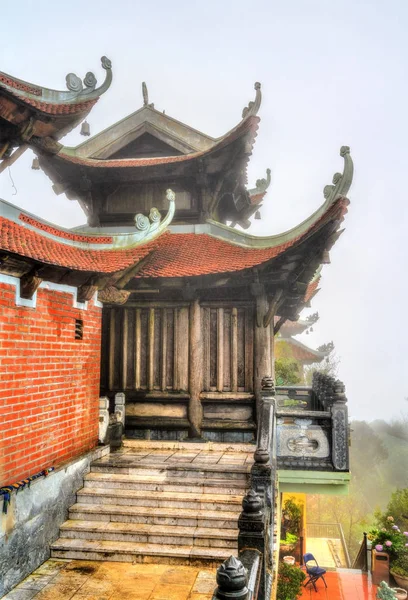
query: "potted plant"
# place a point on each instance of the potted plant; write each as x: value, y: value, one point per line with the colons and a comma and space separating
x: 399, y: 570
x: 288, y: 544
x: 290, y: 581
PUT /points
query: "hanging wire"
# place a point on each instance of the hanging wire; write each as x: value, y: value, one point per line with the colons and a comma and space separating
x: 12, y: 183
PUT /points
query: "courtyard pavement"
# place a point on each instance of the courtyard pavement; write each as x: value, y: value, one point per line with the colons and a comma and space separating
x: 90, y: 580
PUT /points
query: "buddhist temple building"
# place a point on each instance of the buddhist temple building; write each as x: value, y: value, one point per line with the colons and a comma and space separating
x: 155, y: 323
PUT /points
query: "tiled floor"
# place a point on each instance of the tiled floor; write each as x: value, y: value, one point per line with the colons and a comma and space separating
x: 341, y: 585
x: 195, y: 457
x: 85, y: 580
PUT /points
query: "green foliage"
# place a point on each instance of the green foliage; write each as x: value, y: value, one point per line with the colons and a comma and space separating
x: 290, y: 580
x: 292, y: 516
x: 392, y: 542
x: 290, y: 540
x: 287, y: 371
x: 398, y: 508
x: 400, y: 565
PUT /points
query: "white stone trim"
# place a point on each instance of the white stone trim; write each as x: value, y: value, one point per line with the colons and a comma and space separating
x: 47, y: 285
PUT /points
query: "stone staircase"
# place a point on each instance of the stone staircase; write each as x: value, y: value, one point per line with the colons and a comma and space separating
x: 164, y: 502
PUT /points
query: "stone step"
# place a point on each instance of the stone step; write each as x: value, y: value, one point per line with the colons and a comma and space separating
x: 137, y: 552
x: 118, y: 465
x: 152, y: 534
x: 196, y: 501
x: 154, y: 516
x: 161, y: 483
x: 188, y: 446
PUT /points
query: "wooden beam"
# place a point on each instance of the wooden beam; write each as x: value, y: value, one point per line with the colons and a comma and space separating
x: 29, y: 284
x: 175, y: 349
x: 220, y: 349
x: 279, y: 324
x: 234, y: 350
x: 7, y: 162
x: 150, y: 368
x: 163, y: 377
x: 273, y: 304
x: 138, y: 347
x: 195, y: 409
x: 85, y: 292
x: 125, y: 333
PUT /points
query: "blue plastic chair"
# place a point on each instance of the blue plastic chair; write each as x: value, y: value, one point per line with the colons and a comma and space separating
x: 314, y: 571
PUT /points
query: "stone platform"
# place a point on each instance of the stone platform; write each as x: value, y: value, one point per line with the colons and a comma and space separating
x: 84, y: 580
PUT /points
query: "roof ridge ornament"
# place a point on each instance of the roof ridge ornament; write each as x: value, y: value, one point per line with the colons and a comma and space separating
x: 74, y: 83
x: 261, y: 185
x: 253, y: 106
x: 146, y: 96
x: 341, y: 181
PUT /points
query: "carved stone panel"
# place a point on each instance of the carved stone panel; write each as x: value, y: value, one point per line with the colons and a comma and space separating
x: 340, y: 436
x: 301, y: 438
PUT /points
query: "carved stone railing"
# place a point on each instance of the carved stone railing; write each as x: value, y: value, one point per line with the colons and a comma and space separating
x: 250, y: 576
x: 312, y: 426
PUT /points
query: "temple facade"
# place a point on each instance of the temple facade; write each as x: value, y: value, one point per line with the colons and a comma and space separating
x: 158, y: 318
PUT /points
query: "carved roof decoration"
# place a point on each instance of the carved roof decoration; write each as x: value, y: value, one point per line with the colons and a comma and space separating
x: 81, y: 94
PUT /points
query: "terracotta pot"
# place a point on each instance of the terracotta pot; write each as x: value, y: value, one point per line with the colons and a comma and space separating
x: 289, y: 560
x: 400, y: 580
x: 400, y: 594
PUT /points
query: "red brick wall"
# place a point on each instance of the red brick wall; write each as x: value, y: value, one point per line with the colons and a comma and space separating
x: 49, y: 382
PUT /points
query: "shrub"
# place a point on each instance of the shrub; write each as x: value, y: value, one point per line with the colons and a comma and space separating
x: 290, y: 540
x: 400, y: 565
x: 290, y: 580
x: 292, y: 516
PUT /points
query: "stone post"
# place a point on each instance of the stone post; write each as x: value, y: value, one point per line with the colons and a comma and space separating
x: 232, y: 580
x: 340, y: 428
x: 118, y: 429
x: 103, y: 420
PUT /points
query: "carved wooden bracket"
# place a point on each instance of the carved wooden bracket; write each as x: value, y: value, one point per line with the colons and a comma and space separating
x: 29, y: 284
x: 273, y: 305
x: 111, y: 295
x: 85, y: 292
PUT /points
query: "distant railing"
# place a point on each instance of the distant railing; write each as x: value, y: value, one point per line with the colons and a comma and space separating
x: 361, y: 560
x: 329, y: 531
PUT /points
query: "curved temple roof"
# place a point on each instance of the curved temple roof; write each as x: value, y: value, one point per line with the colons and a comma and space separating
x: 80, y: 96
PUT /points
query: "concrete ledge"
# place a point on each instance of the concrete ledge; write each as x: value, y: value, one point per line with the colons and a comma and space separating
x: 34, y: 517
x: 314, y: 482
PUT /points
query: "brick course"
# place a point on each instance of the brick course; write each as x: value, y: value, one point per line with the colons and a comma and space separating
x: 49, y: 382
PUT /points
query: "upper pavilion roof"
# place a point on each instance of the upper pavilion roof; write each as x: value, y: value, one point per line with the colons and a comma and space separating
x: 148, y: 147
x: 36, y: 115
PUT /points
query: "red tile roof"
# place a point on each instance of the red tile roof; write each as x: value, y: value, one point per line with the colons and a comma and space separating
x: 191, y: 254
x: 25, y: 242
x: 20, y: 85
x: 68, y: 235
x: 172, y: 255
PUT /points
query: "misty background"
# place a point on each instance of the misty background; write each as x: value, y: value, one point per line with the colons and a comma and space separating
x: 332, y: 74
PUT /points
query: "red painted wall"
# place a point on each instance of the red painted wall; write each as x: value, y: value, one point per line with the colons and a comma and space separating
x: 49, y: 382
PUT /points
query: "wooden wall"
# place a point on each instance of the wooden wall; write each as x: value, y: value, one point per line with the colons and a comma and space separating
x: 146, y: 354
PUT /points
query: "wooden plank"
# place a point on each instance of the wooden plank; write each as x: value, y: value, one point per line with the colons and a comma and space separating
x: 205, y: 323
x: 195, y: 410
x: 163, y: 365
x: 150, y: 364
x: 234, y: 350
x: 111, y: 348
x: 249, y: 350
x: 183, y: 348
x: 213, y: 348
x: 138, y: 350
x: 124, y: 348
x: 175, y: 349
x: 220, y: 349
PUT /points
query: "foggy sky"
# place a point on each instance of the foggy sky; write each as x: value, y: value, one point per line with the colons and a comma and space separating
x: 332, y: 74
